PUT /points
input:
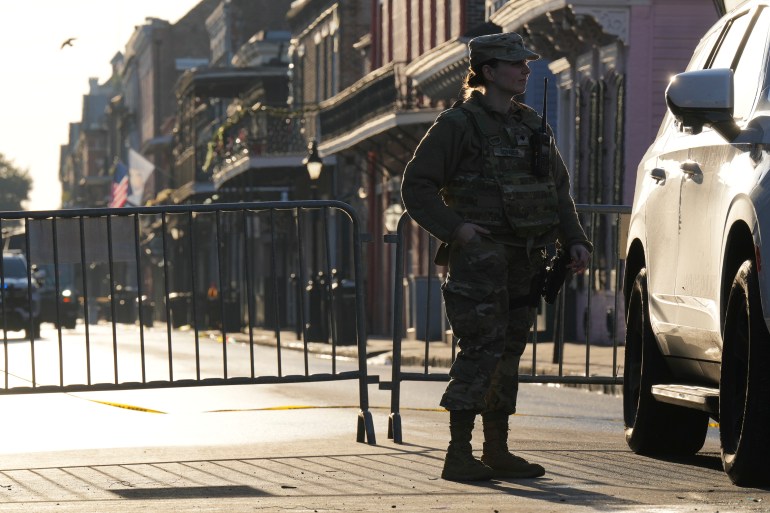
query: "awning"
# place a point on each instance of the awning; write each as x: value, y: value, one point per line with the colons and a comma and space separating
x: 377, y: 126
x: 224, y: 82
x: 257, y: 162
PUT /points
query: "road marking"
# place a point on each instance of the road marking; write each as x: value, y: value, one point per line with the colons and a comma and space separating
x: 106, y: 403
x: 124, y: 406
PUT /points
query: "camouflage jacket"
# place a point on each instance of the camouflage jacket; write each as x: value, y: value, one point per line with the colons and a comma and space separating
x: 453, y: 143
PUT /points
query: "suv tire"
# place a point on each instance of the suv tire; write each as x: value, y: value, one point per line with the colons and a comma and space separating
x: 653, y: 427
x: 744, y: 410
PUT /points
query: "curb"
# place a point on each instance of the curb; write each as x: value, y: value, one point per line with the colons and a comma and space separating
x: 385, y: 357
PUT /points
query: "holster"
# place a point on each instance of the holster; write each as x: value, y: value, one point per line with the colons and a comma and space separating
x: 442, y: 255
x: 555, y: 275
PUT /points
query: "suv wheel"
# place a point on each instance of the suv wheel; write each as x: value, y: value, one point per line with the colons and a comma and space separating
x: 652, y: 427
x: 744, y: 412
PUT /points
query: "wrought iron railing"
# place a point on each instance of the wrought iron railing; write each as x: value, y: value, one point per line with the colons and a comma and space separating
x: 384, y: 91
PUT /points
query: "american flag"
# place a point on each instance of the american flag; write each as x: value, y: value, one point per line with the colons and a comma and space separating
x: 119, y: 186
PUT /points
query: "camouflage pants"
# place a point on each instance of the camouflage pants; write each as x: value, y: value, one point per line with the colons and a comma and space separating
x: 492, y: 334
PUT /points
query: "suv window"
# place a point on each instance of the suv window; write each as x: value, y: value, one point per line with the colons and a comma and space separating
x: 728, y: 47
x: 759, y: 44
x: 748, y: 73
x: 14, y: 267
x: 750, y: 62
x: 703, y: 51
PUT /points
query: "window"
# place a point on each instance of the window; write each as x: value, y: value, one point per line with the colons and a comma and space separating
x: 14, y: 267
x: 703, y: 51
x: 749, y: 69
x: 728, y: 47
x: 747, y: 60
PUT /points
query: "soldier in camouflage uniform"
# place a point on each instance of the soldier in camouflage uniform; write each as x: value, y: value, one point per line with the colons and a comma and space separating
x: 472, y: 183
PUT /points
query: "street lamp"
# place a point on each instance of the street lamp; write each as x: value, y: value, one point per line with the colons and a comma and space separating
x: 313, y: 162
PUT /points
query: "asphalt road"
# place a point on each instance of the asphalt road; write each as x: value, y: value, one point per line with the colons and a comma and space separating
x: 292, y: 448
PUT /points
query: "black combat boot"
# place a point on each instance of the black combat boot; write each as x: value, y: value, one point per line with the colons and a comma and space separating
x: 496, y: 454
x: 459, y: 464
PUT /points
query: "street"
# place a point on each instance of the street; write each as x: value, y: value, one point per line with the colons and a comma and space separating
x: 291, y: 447
x: 146, y: 357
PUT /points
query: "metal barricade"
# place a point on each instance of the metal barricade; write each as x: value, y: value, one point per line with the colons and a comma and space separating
x: 599, y: 287
x: 239, y: 268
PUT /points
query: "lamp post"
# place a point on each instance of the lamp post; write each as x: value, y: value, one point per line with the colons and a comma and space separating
x: 314, y: 166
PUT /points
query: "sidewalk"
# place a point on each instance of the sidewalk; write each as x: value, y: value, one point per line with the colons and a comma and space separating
x: 537, y: 360
x: 307, y: 475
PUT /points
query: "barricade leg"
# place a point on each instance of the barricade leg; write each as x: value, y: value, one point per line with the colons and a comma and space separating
x: 365, y: 432
x: 394, y: 427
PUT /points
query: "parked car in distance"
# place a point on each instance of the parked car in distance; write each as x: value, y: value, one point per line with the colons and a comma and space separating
x: 696, y: 285
x: 19, y: 304
x: 66, y: 313
x: 63, y: 308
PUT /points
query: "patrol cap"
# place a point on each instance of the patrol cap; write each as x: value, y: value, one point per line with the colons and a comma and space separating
x: 505, y: 47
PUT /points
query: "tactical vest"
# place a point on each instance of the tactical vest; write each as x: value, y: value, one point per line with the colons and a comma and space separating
x: 505, y: 196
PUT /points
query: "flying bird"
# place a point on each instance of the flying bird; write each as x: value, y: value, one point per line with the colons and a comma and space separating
x: 68, y: 42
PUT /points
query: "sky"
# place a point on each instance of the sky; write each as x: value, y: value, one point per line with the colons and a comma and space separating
x: 42, y: 84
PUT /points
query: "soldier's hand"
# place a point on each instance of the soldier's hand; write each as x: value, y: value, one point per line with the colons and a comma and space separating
x: 580, y: 256
x: 467, y: 231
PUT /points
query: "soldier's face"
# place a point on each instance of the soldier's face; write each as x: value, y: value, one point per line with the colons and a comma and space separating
x: 511, y: 77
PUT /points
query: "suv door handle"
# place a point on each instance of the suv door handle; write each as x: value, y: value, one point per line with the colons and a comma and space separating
x: 691, y: 168
x: 658, y: 174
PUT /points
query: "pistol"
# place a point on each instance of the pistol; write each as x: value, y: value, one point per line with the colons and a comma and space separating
x: 554, y: 276
x: 541, y: 141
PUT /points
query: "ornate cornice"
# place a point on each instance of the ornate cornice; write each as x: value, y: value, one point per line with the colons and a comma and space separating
x: 439, y: 72
x: 561, y: 33
x: 613, y: 17
x: 614, y: 21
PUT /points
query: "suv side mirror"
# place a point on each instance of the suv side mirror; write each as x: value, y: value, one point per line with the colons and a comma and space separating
x: 704, y: 97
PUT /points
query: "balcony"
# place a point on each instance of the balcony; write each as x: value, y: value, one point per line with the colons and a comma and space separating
x: 258, y: 137
x: 382, y: 100
x: 227, y: 135
x: 375, y: 94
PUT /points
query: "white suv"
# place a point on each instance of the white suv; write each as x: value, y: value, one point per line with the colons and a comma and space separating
x: 697, y: 338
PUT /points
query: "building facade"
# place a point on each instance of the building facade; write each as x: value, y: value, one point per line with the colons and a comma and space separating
x: 226, y: 101
x: 608, y: 64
